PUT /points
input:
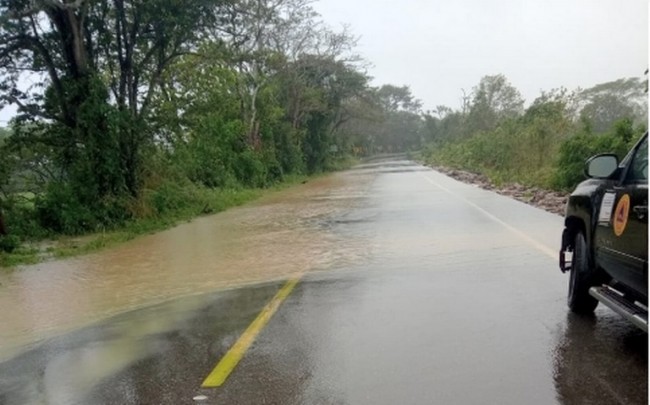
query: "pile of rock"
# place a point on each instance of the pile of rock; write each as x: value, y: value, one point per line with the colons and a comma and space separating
x: 551, y: 201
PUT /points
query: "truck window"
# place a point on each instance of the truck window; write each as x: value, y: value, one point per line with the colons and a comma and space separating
x: 639, y: 169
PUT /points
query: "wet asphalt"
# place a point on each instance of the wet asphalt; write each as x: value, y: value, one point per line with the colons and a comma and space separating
x: 456, y: 299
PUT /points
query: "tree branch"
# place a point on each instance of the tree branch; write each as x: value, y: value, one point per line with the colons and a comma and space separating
x: 35, y: 111
x: 49, y: 63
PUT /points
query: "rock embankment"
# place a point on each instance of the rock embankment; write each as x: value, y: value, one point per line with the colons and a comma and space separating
x: 551, y: 201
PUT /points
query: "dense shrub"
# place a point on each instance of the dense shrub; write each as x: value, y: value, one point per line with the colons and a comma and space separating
x: 59, y: 210
x: 9, y: 243
x: 249, y: 169
x: 168, y: 197
x: 576, y: 150
x: 21, y: 219
x: 544, y: 147
x: 518, y: 150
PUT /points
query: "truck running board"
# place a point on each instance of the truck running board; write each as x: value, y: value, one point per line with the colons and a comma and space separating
x: 635, y: 312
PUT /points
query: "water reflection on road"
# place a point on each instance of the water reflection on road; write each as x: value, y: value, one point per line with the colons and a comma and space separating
x: 282, y: 234
x: 437, y: 292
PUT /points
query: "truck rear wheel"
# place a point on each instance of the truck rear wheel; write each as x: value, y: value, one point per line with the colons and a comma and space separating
x: 581, y: 278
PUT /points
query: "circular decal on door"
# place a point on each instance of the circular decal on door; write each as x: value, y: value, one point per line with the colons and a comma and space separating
x: 621, y: 214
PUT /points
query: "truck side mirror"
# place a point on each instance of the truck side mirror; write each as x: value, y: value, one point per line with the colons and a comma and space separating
x: 601, y: 166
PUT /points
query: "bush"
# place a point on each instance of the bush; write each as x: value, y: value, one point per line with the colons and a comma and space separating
x: 59, y: 210
x: 21, y: 219
x: 538, y: 149
x: 9, y: 243
x: 576, y: 150
x: 249, y: 169
x: 168, y: 197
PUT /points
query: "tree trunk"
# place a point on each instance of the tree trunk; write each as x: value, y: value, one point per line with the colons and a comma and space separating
x: 3, y: 229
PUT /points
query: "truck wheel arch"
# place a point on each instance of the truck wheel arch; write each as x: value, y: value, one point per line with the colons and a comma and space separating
x: 574, y: 225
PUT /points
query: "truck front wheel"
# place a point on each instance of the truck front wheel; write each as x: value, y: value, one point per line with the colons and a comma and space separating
x: 581, y: 278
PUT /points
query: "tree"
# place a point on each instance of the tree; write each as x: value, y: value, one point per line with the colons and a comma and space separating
x: 605, y: 103
x: 141, y: 94
x: 97, y: 65
x: 402, y: 127
x: 317, y: 93
x: 494, y: 99
x: 605, y: 109
x: 251, y: 32
x: 396, y: 98
x: 100, y: 63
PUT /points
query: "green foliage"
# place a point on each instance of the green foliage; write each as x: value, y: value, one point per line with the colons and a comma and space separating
x: 517, y: 149
x: 149, y: 111
x: 20, y: 255
x: 545, y: 146
x: 574, y: 151
x: 9, y: 243
x: 606, y: 103
x: 177, y: 203
x: 249, y: 169
x: 21, y: 219
x: 155, y: 109
x: 61, y: 210
x: 494, y: 99
x: 287, y: 147
x: 386, y: 119
x: 168, y: 197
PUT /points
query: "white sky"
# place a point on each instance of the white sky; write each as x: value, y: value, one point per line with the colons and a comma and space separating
x: 440, y: 47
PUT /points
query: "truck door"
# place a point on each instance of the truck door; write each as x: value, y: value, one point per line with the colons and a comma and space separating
x: 622, y: 242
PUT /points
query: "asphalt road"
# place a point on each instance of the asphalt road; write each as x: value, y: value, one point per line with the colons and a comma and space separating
x: 456, y: 298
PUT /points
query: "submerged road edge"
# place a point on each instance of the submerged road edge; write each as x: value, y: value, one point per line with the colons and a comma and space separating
x: 230, y: 360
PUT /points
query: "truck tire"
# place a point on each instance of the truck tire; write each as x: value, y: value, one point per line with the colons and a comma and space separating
x: 581, y: 278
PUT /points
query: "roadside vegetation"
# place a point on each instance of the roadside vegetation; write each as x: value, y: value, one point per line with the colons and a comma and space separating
x: 134, y: 115
x: 544, y: 145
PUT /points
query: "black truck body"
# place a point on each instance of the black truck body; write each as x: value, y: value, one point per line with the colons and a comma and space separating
x: 605, y: 239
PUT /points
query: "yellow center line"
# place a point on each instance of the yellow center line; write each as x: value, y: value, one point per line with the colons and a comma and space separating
x: 228, y: 363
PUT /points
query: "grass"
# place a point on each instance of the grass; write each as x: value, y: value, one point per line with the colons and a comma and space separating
x: 178, y: 205
x: 198, y: 203
x: 22, y: 255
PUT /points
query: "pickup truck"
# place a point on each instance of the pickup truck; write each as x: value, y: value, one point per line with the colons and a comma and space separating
x: 605, y: 239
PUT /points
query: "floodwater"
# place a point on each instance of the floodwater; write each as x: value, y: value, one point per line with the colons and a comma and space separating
x: 431, y: 284
x: 284, y: 233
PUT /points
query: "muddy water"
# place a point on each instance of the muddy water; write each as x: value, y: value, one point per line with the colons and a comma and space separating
x: 282, y: 234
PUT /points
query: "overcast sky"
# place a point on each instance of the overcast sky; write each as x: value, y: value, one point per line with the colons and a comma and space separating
x: 440, y: 47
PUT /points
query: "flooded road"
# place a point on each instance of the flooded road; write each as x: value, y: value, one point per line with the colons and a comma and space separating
x: 415, y: 289
x: 282, y: 234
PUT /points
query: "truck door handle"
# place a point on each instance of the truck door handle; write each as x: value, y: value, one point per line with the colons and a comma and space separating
x: 641, y: 211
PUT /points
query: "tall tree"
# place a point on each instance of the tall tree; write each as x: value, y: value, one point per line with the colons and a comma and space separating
x: 494, y: 99
x: 396, y: 98
x: 316, y: 91
x: 100, y: 62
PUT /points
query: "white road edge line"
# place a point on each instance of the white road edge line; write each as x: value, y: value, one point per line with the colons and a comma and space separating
x: 536, y: 244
